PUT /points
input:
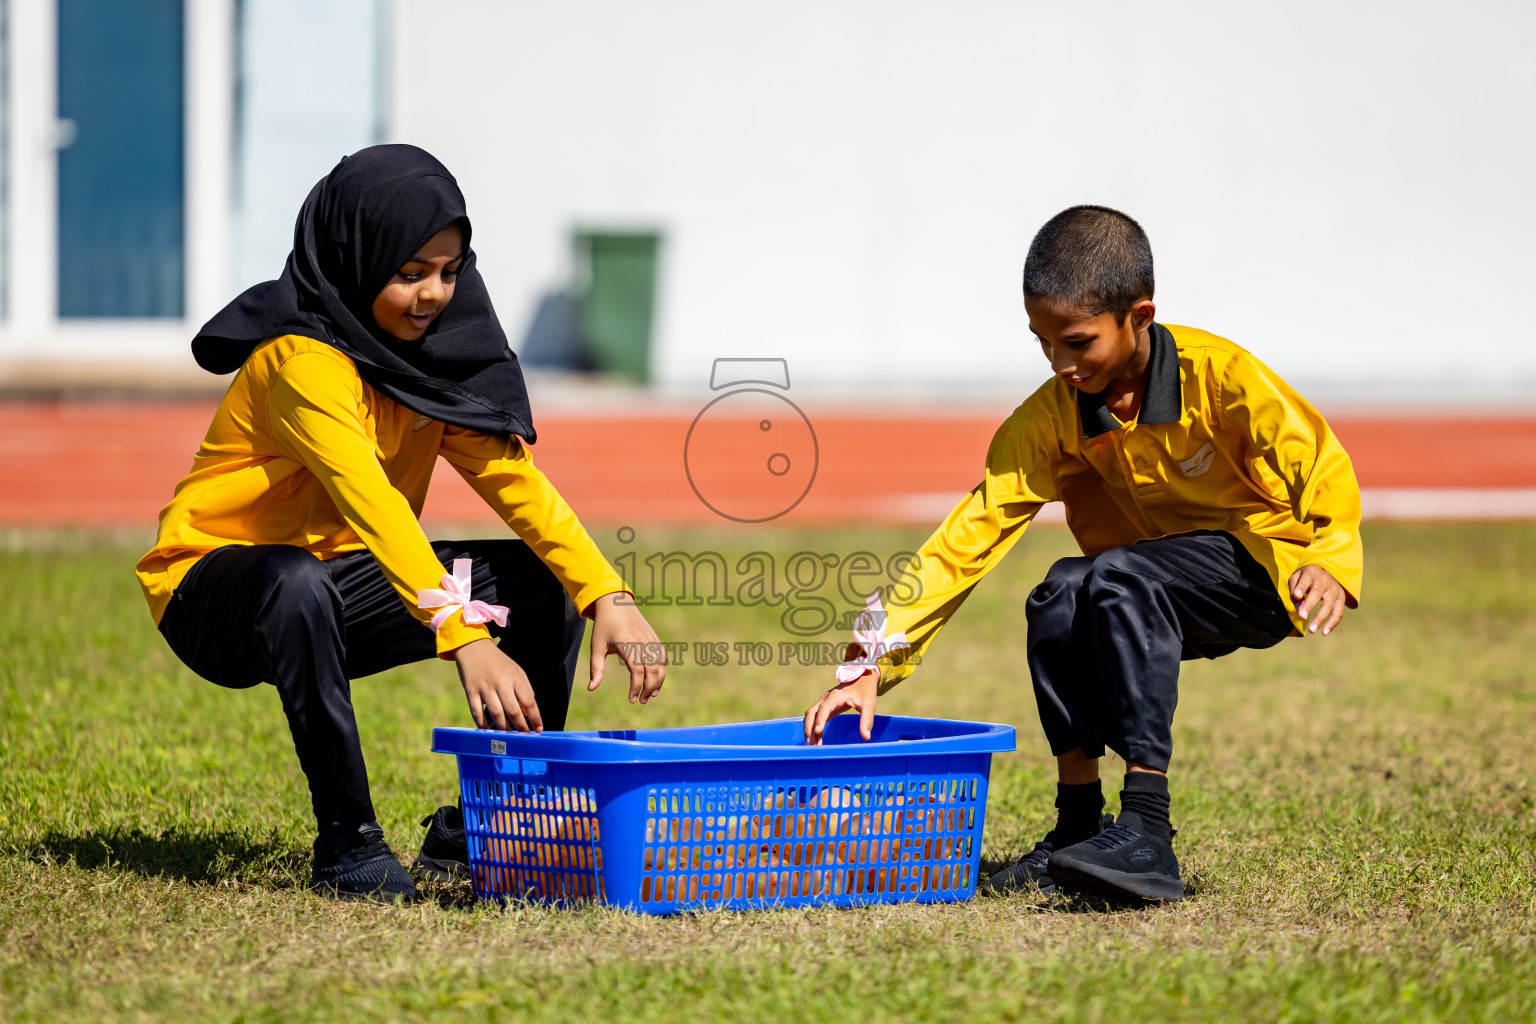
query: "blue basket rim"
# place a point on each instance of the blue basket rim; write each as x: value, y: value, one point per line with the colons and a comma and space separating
x: 908, y: 737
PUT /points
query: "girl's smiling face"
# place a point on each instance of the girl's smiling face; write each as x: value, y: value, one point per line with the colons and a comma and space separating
x: 422, y: 287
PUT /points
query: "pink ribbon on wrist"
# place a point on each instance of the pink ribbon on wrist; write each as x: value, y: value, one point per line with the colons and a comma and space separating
x: 869, y: 633
x: 455, y: 596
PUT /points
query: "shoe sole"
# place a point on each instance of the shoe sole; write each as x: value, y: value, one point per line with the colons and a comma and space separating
x: 331, y: 892
x: 1045, y: 885
x: 434, y: 870
x: 1107, y: 882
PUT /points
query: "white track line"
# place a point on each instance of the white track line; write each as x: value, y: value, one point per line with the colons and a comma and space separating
x: 1378, y: 503
x: 1449, y: 502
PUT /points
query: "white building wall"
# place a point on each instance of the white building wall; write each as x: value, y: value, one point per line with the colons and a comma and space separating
x: 310, y: 93
x: 1344, y: 188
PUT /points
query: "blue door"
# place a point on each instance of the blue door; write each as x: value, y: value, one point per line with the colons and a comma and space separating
x: 122, y: 240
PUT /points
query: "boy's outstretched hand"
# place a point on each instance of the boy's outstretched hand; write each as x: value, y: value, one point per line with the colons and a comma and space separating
x: 1319, y: 598
x: 858, y: 695
x: 619, y: 628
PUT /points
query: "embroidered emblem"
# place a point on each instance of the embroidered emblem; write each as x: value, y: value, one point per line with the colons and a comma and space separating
x: 421, y: 421
x: 1200, y: 462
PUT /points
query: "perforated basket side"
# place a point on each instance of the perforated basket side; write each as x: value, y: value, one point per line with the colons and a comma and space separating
x: 795, y: 845
x: 533, y: 830
x: 661, y: 838
x: 911, y: 831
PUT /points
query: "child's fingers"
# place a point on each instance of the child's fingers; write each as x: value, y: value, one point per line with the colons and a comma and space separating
x: 1330, y: 611
x: 1325, y: 597
x: 1334, y: 613
x: 494, y: 713
x: 817, y: 714
x: 1305, y: 581
x: 598, y: 661
x: 866, y: 718
x: 530, y: 707
x: 655, y: 675
x: 819, y: 719
x: 810, y: 724
x: 1317, y: 607
x: 515, y: 719
x: 504, y: 710
x: 476, y: 710
x: 832, y: 704
x: 1311, y: 595
x: 636, y: 665
x: 1305, y: 602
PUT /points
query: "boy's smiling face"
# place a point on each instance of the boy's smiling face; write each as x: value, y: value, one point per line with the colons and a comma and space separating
x: 1091, y: 353
x: 422, y: 288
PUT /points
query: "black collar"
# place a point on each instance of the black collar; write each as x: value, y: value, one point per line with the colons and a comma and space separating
x: 1161, y: 402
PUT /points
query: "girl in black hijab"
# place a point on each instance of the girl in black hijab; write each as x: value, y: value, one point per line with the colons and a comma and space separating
x: 375, y: 353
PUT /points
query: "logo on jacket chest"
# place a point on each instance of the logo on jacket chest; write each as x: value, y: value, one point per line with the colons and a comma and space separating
x: 1199, y: 463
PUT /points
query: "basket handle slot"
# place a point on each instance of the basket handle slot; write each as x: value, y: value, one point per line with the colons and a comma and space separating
x: 512, y: 766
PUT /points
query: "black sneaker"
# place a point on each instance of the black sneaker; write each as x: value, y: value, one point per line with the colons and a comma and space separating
x: 360, y: 866
x: 444, y: 851
x: 1030, y: 870
x: 1120, y: 862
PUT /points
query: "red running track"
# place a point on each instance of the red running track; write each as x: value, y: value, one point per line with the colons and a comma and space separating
x: 115, y: 463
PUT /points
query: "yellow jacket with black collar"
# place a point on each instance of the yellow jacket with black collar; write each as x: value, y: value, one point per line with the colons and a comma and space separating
x: 1221, y: 443
x: 302, y: 451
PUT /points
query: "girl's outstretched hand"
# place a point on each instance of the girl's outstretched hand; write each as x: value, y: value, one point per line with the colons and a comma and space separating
x: 497, y: 688
x: 619, y: 628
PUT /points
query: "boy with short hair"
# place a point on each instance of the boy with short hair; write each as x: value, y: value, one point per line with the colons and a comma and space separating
x: 1214, y: 508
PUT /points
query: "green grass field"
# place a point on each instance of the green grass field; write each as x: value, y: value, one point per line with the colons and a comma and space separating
x: 1355, y: 815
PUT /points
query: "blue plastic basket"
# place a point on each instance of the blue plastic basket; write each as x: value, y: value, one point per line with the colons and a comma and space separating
x: 741, y: 816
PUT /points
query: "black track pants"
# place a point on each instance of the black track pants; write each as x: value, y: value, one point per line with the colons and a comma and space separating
x: 273, y: 613
x: 1107, y: 633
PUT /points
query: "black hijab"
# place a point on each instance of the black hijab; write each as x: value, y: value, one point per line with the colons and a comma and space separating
x: 360, y: 224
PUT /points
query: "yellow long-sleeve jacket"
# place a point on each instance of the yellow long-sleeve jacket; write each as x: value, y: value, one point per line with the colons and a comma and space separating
x: 302, y: 451
x: 1221, y: 443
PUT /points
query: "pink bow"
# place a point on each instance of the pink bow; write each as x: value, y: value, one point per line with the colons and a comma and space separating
x: 455, y: 595
x: 869, y: 633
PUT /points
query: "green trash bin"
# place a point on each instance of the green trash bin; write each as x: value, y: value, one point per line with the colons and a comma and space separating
x: 616, y: 288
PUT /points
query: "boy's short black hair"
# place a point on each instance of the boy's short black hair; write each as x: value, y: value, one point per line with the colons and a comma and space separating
x: 1092, y: 258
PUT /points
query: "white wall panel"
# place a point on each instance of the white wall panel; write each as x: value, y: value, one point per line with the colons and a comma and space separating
x: 1344, y: 188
